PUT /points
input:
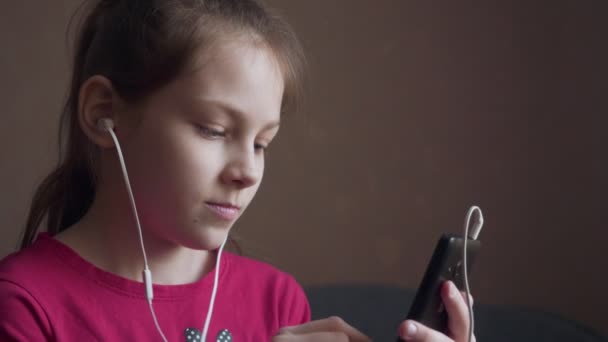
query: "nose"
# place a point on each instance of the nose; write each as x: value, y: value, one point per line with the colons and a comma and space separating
x: 242, y: 169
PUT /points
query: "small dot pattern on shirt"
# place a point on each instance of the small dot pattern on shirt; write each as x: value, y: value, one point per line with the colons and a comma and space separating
x: 193, y: 335
x: 224, y: 336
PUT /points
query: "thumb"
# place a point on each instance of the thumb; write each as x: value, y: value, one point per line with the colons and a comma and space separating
x: 414, y: 331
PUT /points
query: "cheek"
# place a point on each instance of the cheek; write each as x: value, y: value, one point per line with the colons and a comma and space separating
x: 190, y: 166
x: 170, y: 169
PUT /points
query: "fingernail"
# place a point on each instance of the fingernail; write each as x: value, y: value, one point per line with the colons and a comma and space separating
x: 410, y: 331
x: 452, y: 290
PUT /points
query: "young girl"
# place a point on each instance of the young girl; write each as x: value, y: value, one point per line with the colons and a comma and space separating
x: 171, y: 106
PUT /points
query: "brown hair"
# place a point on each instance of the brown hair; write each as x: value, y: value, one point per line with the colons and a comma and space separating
x: 141, y: 45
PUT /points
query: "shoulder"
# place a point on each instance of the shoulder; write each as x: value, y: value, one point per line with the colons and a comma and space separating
x: 23, y: 317
x: 31, y: 266
x: 19, y: 266
x: 279, y: 289
x: 30, y: 275
x: 260, y: 273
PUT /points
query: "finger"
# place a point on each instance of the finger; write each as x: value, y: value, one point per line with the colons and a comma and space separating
x: 458, y: 312
x: 464, y: 296
x: 312, y: 337
x: 331, y: 324
x: 418, y: 332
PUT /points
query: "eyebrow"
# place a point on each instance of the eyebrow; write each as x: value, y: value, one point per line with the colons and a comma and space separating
x: 235, y: 112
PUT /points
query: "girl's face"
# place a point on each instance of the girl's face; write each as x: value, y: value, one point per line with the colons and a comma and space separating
x: 195, y: 156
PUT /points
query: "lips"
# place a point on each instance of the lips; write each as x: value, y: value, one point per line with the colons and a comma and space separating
x: 225, y: 211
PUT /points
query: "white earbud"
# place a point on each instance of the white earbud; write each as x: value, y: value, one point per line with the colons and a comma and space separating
x: 105, y: 124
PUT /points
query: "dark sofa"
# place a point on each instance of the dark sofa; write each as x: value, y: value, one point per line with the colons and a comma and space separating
x: 377, y: 311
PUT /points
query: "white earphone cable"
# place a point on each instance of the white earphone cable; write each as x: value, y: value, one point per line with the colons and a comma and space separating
x: 474, y: 235
x: 214, y: 291
x: 147, y: 274
x: 132, y: 200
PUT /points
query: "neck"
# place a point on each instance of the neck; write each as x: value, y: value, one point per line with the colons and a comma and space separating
x: 107, y: 237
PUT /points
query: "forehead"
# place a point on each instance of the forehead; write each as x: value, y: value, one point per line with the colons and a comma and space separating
x: 240, y: 74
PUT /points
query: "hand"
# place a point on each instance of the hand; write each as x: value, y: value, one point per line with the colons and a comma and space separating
x: 458, y: 320
x: 332, y: 329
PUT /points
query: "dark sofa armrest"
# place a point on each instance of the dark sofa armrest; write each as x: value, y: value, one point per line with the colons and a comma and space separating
x: 378, y: 310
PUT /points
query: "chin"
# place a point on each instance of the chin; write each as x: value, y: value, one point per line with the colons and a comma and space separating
x: 208, y: 239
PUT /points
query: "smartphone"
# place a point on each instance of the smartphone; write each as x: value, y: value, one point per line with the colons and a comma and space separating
x: 446, y: 264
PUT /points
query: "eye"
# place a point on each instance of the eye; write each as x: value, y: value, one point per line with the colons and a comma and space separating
x: 210, y: 132
x: 260, y: 147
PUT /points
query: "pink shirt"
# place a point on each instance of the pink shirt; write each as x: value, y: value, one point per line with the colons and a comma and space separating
x: 49, y: 293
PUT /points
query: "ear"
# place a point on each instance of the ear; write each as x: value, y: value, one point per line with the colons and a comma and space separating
x: 97, y: 99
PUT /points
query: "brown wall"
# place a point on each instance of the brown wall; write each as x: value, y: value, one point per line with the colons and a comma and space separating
x: 417, y: 109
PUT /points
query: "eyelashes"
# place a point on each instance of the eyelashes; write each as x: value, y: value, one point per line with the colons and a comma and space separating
x: 260, y: 147
x: 213, y: 133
